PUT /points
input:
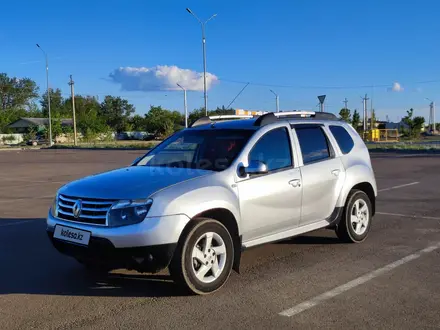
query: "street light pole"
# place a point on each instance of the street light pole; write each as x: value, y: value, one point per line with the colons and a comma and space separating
x: 204, y: 55
x: 276, y: 100
x: 432, y: 115
x: 184, y: 105
x: 48, y: 95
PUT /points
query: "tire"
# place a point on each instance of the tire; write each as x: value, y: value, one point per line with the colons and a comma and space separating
x: 187, y: 261
x: 347, y: 230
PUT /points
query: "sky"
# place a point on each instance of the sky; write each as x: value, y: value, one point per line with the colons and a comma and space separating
x: 299, y: 49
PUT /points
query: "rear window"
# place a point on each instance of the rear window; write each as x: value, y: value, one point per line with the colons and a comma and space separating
x: 343, y: 138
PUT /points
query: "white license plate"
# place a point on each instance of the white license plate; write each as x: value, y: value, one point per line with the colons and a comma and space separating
x: 72, y: 235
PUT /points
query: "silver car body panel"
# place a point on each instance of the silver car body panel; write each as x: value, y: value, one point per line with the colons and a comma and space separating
x: 134, y: 182
x: 195, y: 196
x: 266, y: 208
x: 322, y: 185
x: 151, y: 231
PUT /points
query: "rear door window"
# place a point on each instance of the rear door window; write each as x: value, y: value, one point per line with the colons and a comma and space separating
x: 313, y: 143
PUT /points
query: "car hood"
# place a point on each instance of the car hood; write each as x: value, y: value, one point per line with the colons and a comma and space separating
x: 132, y: 182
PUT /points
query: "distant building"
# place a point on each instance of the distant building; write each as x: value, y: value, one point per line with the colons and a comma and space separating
x: 249, y: 112
x: 400, y: 125
x: 23, y: 125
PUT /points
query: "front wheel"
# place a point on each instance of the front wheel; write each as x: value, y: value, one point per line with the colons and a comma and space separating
x: 355, y: 223
x: 203, y: 259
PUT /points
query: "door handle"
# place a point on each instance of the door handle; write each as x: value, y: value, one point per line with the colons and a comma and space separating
x: 336, y: 172
x: 295, y: 183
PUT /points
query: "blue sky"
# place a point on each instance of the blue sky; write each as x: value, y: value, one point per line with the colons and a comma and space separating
x: 298, y: 48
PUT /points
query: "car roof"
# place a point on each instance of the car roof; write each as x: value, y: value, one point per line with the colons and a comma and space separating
x: 229, y: 124
x: 256, y: 122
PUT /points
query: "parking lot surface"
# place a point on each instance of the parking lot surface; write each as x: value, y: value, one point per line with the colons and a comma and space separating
x: 390, y: 281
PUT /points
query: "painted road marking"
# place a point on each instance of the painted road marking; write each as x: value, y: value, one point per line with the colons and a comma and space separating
x: 407, y: 216
x: 400, y: 186
x: 356, y: 282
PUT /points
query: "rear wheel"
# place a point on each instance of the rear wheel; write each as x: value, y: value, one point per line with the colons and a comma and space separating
x: 355, y: 223
x: 203, y: 259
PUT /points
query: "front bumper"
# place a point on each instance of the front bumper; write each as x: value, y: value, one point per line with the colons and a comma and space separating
x: 151, y: 231
x: 101, y: 252
x: 146, y: 247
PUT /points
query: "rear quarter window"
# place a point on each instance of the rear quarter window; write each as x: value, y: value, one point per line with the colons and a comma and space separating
x: 343, y: 138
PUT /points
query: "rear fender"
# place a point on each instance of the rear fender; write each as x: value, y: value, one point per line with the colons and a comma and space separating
x: 355, y: 175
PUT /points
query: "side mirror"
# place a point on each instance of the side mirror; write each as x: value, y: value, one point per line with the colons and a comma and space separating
x: 256, y: 167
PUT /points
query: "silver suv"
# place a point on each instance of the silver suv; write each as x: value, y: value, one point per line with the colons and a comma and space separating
x: 200, y: 198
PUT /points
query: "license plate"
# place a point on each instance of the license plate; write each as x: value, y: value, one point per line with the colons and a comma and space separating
x: 72, y: 235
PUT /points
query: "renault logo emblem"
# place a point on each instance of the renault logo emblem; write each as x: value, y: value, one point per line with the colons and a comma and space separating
x: 77, y: 209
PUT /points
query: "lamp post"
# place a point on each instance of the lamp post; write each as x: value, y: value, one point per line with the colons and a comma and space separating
x: 432, y: 115
x: 184, y: 105
x: 276, y: 100
x: 204, y: 54
x: 48, y: 95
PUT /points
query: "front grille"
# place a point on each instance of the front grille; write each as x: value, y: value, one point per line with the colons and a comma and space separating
x: 93, y: 211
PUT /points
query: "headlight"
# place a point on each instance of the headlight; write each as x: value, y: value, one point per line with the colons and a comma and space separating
x: 129, y: 212
x: 54, y: 207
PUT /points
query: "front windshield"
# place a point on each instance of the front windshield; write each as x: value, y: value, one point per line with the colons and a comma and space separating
x: 212, y: 149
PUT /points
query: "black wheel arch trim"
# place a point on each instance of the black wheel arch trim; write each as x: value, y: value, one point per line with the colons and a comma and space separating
x: 225, y: 217
x: 335, y: 217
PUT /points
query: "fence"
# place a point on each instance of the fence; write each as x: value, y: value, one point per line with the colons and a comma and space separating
x: 383, y: 135
x: 11, y: 139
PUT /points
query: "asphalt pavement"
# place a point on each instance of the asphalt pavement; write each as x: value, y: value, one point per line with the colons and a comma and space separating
x: 390, y: 281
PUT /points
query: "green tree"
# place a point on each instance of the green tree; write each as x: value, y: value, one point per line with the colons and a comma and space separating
x: 199, y: 113
x: 83, y: 105
x: 57, y: 129
x: 222, y: 111
x: 16, y: 93
x: 57, y: 104
x: 138, y: 123
x: 33, y: 111
x: 178, y: 120
x: 31, y: 134
x: 8, y: 116
x: 162, y: 123
x: 345, y: 114
x: 414, y: 124
x: 159, y: 121
x: 117, y: 112
x: 373, y: 118
x: 195, y: 114
x: 356, y: 119
x: 89, y: 122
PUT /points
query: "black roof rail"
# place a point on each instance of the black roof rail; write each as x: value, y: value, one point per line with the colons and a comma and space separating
x: 265, y: 119
x: 272, y: 117
x: 201, y: 121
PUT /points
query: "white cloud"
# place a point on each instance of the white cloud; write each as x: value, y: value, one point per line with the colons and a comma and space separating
x: 160, y: 78
x: 397, y: 87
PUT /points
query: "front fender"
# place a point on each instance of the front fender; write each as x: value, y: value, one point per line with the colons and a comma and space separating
x: 196, y: 201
